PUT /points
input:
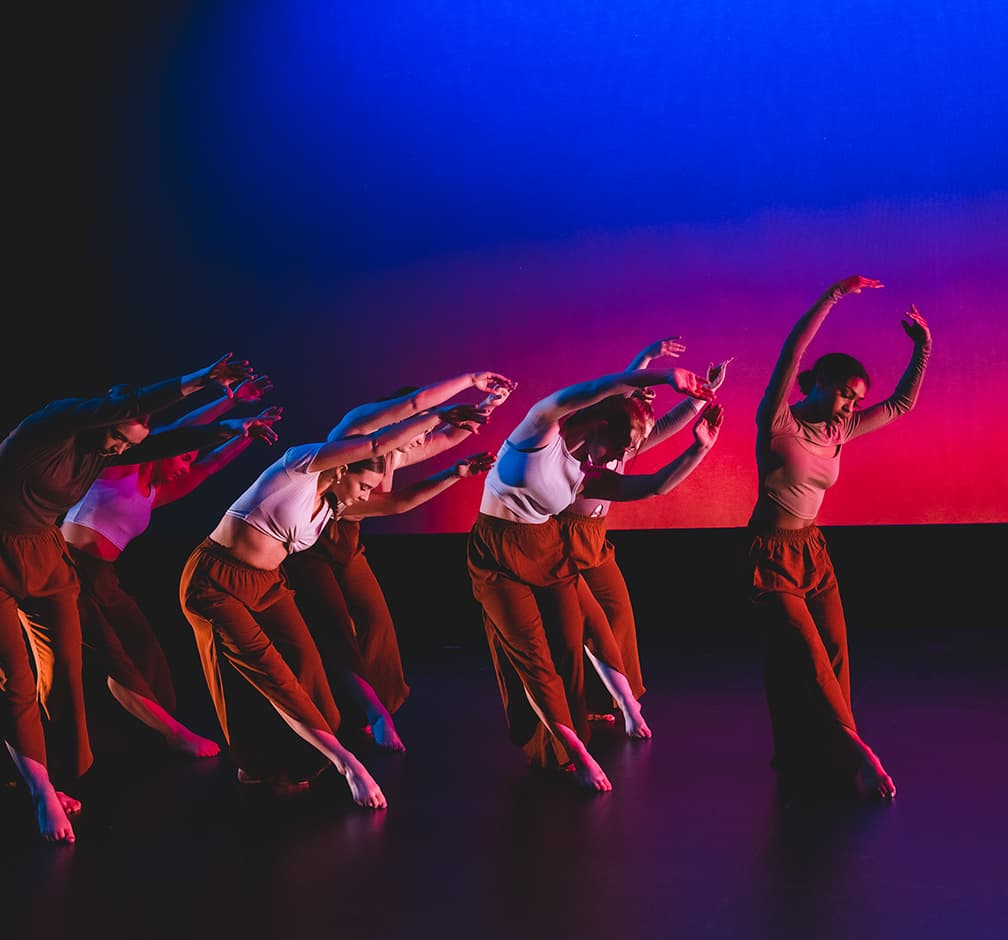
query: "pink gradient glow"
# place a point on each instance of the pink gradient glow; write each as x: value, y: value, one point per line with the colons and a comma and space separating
x: 552, y: 314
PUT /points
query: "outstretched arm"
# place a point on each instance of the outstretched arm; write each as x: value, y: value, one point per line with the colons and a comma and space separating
x: 671, y: 346
x: 246, y: 431
x: 904, y: 396
x: 352, y: 448
x: 605, y: 484
x: 446, y: 436
x: 672, y: 422
x: 373, y: 415
x: 802, y: 333
x: 542, y: 422
x: 123, y: 403
x: 416, y: 494
x: 246, y: 392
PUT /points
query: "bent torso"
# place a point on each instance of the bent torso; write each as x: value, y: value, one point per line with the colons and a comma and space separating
x: 248, y: 545
x: 85, y: 539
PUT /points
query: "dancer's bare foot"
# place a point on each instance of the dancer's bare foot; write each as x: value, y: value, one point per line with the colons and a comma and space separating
x: 589, y: 775
x: 362, y: 785
x: 188, y: 742
x: 52, y: 818
x: 872, y: 779
x: 69, y: 804
x: 386, y: 736
x: 633, y: 721
x: 602, y: 718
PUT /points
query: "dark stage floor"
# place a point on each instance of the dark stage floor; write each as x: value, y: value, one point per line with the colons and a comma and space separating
x: 694, y: 840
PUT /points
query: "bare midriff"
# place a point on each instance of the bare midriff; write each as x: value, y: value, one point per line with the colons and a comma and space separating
x: 770, y: 515
x: 88, y: 540
x: 248, y: 545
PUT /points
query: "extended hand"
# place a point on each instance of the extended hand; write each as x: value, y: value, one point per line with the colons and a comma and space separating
x: 261, y: 426
x: 474, y: 465
x: 253, y: 388
x: 917, y: 328
x: 461, y: 416
x: 670, y: 346
x: 689, y: 383
x: 852, y: 285
x: 492, y: 382
x: 496, y: 398
x: 716, y: 373
x: 705, y: 431
x: 225, y: 372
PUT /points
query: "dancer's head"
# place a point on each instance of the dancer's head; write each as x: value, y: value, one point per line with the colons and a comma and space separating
x: 834, y: 387
x: 612, y: 429
x: 168, y: 469
x: 354, y: 482
x: 116, y: 439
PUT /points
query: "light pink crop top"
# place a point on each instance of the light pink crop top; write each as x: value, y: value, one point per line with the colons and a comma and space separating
x: 115, y: 509
x: 800, y: 460
x: 805, y: 458
x: 282, y: 502
x: 535, y: 484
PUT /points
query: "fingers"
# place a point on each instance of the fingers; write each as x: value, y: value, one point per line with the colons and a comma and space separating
x: 479, y: 463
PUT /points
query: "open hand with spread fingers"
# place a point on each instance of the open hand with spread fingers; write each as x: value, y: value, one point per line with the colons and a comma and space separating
x: 915, y: 326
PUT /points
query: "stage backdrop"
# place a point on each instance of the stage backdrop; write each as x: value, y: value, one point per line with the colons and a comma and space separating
x: 361, y: 196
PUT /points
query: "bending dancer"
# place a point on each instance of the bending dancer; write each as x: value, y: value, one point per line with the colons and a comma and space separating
x: 114, y: 511
x: 46, y: 464
x: 558, y: 451
x: 806, y: 671
x: 250, y: 634
x: 335, y: 587
x: 611, y: 632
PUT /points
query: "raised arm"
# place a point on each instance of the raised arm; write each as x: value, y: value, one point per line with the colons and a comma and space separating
x: 246, y: 392
x: 247, y: 430
x: 671, y: 346
x: 373, y: 415
x: 904, y: 396
x: 672, y: 422
x: 542, y: 422
x: 225, y: 372
x: 802, y: 333
x: 605, y: 484
x: 124, y: 403
x: 416, y: 494
x: 343, y: 450
x: 446, y: 436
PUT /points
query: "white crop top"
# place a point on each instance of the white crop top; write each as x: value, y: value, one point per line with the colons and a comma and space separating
x: 282, y: 501
x: 115, y: 509
x: 535, y: 484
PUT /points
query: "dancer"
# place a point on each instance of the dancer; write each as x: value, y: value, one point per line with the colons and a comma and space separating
x: 114, y: 511
x: 806, y: 670
x: 250, y: 634
x: 610, y: 628
x: 558, y: 451
x: 46, y: 464
x: 334, y: 585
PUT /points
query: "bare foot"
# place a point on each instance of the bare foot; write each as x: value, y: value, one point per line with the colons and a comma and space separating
x: 589, y: 775
x: 363, y: 788
x: 633, y: 721
x: 386, y: 736
x: 191, y: 743
x: 603, y: 718
x: 69, y: 804
x: 872, y: 780
x: 52, y: 818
